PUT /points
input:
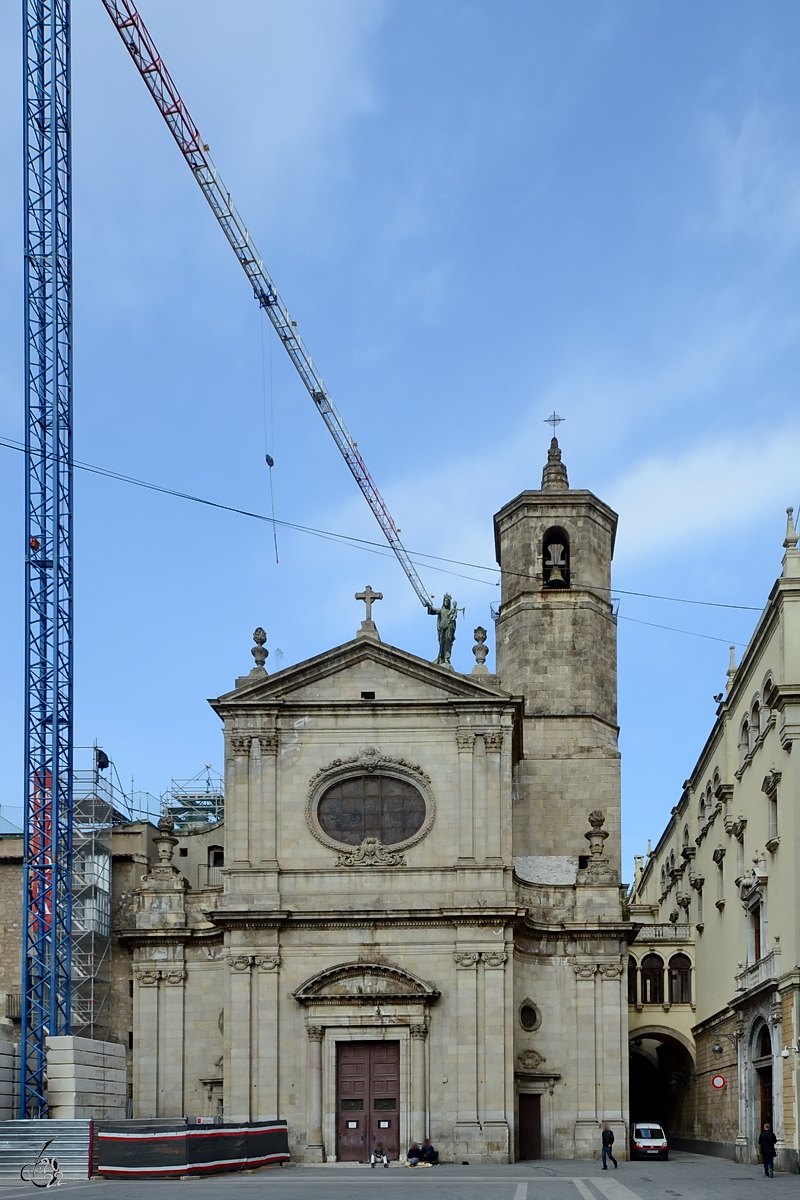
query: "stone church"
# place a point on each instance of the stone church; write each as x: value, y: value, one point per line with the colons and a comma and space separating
x: 418, y: 929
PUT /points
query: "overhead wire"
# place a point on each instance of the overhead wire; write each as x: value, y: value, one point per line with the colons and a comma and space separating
x: 373, y: 547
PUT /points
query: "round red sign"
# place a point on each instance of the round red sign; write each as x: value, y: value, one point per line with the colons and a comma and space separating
x: 718, y: 1081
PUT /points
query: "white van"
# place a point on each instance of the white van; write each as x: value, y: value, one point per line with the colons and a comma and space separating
x: 648, y: 1140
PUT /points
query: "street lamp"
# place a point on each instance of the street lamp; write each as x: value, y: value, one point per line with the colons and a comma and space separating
x: 717, y: 1047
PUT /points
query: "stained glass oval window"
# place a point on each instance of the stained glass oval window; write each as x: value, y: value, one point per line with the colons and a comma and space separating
x: 371, y: 806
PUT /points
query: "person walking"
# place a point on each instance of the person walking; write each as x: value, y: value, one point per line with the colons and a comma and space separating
x: 766, y: 1144
x: 608, y: 1142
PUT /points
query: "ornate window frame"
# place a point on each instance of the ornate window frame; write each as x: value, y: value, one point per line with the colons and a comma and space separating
x: 368, y: 761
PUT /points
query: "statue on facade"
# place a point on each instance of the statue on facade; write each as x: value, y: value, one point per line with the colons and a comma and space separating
x: 446, y: 618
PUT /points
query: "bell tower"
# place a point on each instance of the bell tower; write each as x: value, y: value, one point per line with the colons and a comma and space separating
x: 557, y: 647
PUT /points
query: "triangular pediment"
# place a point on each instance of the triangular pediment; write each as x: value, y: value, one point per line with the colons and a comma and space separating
x: 364, y: 983
x: 362, y: 665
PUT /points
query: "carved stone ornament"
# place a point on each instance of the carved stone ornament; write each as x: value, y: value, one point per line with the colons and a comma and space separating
x: 371, y: 853
x: 268, y: 743
x: 718, y: 854
x: 531, y: 1060
x: 148, y: 978
x: 268, y: 962
x: 172, y: 976
x: 466, y: 958
x: 585, y: 970
x: 420, y: 1032
x: 465, y: 739
x: 480, y: 649
x: 259, y: 651
x: 596, y: 836
x: 240, y: 744
x: 610, y: 970
x: 241, y: 962
x: 495, y: 958
x: 493, y: 741
x: 315, y: 1032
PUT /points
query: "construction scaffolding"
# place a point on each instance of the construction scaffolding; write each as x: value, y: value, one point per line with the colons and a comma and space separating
x: 98, y: 806
x: 196, y: 804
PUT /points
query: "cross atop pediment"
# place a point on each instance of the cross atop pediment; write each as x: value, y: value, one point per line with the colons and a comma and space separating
x: 368, y: 627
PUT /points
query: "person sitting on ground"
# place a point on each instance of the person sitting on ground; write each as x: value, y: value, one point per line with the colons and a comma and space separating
x: 414, y: 1155
x: 429, y: 1155
x: 378, y: 1155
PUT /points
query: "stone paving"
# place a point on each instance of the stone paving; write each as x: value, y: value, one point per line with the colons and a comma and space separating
x: 693, y: 1176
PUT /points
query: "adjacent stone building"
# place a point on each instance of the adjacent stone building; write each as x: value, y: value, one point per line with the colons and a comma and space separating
x: 418, y: 928
x: 714, y: 985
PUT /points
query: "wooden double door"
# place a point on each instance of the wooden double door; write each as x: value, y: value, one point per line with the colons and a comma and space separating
x: 367, y: 1099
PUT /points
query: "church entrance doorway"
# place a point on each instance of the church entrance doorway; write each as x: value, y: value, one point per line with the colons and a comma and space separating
x: 530, y: 1126
x: 367, y: 1099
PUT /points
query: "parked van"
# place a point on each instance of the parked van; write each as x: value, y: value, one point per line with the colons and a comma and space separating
x: 648, y: 1140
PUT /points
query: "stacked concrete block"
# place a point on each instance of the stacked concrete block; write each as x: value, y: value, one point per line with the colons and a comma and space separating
x: 9, y: 1077
x: 86, y: 1078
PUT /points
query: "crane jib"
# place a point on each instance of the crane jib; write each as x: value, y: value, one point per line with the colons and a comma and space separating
x: 148, y: 62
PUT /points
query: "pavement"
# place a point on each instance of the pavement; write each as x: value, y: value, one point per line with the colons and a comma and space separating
x: 693, y: 1176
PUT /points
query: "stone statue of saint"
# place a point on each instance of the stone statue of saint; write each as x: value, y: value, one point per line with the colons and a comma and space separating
x: 446, y: 616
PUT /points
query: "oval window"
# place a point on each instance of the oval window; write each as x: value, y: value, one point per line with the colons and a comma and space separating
x: 371, y: 806
x: 529, y: 1017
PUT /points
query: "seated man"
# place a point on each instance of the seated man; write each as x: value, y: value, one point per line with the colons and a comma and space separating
x: 378, y: 1155
x: 429, y: 1155
x: 414, y: 1155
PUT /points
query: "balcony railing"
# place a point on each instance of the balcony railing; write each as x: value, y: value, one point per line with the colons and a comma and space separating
x: 754, y: 974
x: 681, y: 932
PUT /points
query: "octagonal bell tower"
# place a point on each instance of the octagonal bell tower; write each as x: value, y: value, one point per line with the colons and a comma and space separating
x: 557, y: 647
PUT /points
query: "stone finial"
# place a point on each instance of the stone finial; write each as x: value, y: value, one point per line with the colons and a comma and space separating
x: 731, y: 672
x: 480, y: 650
x: 791, y: 559
x: 596, y: 836
x: 554, y: 476
x: 166, y: 841
x: 259, y: 651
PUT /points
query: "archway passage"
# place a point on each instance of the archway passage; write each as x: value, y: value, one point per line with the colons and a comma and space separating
x: 662, y: 1082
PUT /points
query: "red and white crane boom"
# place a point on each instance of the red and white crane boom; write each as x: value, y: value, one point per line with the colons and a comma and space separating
x: 144, y: 53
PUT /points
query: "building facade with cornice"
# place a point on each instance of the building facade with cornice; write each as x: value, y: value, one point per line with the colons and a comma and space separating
x: 418, y: 928
x: 714, y: 982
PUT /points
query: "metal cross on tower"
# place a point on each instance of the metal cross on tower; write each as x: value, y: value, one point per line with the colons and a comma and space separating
x: 555, y: 420
x: 48, y: 542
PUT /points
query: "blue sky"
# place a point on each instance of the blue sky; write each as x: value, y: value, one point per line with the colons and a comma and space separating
x: 477, y: 213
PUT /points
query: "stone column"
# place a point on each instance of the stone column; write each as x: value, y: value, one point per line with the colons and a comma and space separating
x: 145, y: 1044
x: 465, y: 739
x: 493, y: 743
x: 419, y: 1093
x: 171, y: 1066
x: 266, y: 1019
x: 237, y: 807
x: 314, y: 1146
x: 467, y: 1128
x: 586, y: 1126
x: 238, y: 1048
x: 494, y: 977
x: 263, y: 822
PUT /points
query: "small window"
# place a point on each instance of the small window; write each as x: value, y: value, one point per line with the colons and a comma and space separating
x: 216, y: 856
x: 555, y: 558
x: 385, y: 1104
x: 652, y: 979
x: 352, y: 1105
x: 764, y: 1043
x: 529, y: 1016
x: 183, y: 852
x: 680, y: 979
x: 367, y: 695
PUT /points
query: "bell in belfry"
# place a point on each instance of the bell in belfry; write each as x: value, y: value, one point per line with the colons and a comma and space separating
x: 555, y: 562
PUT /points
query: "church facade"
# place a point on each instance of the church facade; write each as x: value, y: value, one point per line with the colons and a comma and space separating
x: 418, y: 929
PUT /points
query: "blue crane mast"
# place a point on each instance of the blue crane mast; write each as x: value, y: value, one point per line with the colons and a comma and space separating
x: 48, y: 542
